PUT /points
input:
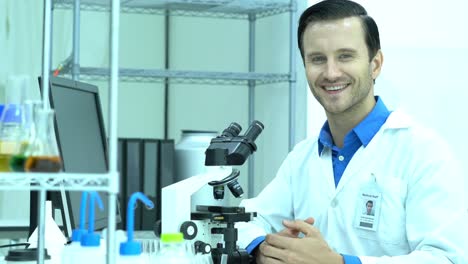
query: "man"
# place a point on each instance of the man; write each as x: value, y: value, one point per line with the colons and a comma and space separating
x: 369, y: 206
x: 312, y: 211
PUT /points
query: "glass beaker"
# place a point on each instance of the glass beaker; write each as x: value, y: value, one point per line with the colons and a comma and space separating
x: 12, y: 120
x: 18, y: 160
x: 42, y: 153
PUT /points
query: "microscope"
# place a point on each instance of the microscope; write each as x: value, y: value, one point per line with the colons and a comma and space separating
x: 211, y: 228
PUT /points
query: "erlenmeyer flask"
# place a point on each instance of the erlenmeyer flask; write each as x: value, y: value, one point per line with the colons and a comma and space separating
x: 12, y: 119
x: 18, y: 160
x: 42, y: 153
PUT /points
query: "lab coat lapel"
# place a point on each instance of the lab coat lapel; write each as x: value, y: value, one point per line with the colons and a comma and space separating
x: 360, y: 162
x: 364, y: 156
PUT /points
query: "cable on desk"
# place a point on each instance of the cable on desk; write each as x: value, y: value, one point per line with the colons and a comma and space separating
x: 15, y: 245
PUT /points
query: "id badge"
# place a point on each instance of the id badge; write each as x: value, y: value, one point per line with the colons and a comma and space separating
x: 368, y: 206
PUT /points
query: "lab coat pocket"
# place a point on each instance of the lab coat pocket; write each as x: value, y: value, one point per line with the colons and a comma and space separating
x: 390, y: 219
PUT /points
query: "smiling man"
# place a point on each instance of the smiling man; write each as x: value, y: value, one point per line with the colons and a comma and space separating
x: 312, y: 210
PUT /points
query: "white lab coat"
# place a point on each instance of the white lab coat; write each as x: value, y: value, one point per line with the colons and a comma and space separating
x: 423, y: 214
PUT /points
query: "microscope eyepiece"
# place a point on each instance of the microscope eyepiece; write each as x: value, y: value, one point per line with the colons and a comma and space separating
x: 232, y: 130
x: 254, y: 130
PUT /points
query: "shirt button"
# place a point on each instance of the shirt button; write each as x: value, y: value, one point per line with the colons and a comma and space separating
x: 341, y: 158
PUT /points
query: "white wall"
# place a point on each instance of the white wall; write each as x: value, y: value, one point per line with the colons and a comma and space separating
x: 425, y: 49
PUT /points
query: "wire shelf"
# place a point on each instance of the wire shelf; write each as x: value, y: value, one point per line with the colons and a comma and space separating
x: 207, y: 8
x: 57, y: 181
x: 193, y: 77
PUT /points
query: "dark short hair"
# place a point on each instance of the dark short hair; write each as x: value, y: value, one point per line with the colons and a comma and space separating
x: 370, y: 202
x: 339, y: 9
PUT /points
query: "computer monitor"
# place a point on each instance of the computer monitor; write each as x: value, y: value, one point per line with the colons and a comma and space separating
x: 81, y: 139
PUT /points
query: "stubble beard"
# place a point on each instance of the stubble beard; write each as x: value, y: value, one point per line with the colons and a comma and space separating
x: 345, y: 105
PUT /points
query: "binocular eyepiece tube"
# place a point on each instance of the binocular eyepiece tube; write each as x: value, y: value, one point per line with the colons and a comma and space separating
x: 234, y: 129
x: 254, y: 130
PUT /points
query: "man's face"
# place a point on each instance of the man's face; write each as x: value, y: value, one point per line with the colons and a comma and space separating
x: 369, y: 208
x: 337, y: 65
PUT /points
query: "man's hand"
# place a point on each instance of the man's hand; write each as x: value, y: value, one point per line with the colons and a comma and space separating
x: 293, y: 232
x: 286, y: 248
x: 287, y: 232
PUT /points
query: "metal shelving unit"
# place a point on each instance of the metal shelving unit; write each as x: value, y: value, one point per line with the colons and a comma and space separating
x: 233, y: 9
x: 43, y: 182
x: 198, y: 77
x: 240, y: 9
x: 55, y: 181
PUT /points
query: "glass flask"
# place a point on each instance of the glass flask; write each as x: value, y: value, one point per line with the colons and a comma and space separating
x: 42, y: 153
x: 18, y: 160
x: 12, y: 120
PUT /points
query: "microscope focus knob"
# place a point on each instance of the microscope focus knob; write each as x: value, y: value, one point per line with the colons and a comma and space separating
x: 189, y: 229
x: 202, y: 247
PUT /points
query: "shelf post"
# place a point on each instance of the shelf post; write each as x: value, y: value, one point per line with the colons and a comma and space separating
x: 252, y: 19
x: 76, y: 41
x: 41, y: 226
x: 113, y: 108
x: 46, y: 50
x: 292, y: 77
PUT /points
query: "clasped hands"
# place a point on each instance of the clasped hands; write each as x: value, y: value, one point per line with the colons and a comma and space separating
x: 286, y: 246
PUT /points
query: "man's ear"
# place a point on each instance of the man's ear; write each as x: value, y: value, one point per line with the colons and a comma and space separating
x: 376, y: 64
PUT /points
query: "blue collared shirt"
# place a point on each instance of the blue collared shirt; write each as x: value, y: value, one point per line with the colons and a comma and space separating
x: 359, y: 136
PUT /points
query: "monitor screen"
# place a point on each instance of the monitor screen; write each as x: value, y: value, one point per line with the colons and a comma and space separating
x: 81, y: 138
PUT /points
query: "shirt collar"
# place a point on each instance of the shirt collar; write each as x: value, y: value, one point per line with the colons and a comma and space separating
x: 365, y: 130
